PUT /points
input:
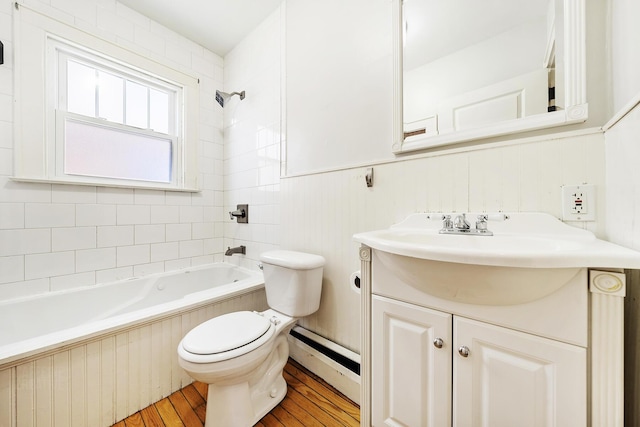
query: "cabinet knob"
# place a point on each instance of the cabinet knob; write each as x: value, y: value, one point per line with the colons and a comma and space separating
x: 438, y: 343
x: 464, y: 351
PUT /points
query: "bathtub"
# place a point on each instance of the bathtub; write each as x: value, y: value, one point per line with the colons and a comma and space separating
x: 94, y: 355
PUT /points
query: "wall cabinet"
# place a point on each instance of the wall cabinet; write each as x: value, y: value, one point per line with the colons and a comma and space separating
x: 432, y: 368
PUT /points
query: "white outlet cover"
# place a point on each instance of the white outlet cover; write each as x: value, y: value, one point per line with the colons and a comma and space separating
x: 588, y: 202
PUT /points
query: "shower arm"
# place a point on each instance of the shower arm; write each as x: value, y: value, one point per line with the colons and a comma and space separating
x: 241, y: 94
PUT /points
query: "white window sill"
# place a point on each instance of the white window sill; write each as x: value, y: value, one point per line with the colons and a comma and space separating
x: 146, y: 186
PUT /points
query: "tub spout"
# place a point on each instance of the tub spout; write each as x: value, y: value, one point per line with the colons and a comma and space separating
x: 237, y: 250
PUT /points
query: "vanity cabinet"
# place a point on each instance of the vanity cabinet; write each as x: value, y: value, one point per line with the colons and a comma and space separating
x: 431, y: 368
x: 520, y: 328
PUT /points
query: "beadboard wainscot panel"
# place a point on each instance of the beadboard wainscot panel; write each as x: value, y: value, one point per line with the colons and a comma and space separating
x: 108, y: 378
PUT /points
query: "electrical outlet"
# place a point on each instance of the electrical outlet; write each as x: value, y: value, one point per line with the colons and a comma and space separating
x: 579, y: 202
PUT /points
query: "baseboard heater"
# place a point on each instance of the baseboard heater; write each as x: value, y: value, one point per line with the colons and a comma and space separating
x: 340, y: 355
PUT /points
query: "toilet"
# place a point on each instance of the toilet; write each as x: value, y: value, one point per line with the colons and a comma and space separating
x: 241, y: 355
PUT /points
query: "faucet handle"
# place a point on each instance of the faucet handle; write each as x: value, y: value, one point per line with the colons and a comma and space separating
x: 481, y: 223
x: 447, y: 223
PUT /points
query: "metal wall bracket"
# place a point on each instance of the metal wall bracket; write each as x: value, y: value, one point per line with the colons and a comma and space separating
x: 368, y: 177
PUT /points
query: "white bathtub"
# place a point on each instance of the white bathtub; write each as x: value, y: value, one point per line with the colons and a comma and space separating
x: 95, y: 355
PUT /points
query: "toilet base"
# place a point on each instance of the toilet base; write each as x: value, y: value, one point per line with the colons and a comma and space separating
x: 264, y: 403
x: 245, y: 403
x: 235, y: 405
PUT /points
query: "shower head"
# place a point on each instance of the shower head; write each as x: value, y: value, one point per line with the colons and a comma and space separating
x: 222, y: 97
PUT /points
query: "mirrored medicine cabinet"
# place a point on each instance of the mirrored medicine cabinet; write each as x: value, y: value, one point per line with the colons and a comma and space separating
x: 466, y: 70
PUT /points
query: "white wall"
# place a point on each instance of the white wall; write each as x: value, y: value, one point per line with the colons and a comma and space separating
x: 59, y: 236
x: 319, y: 212
x: 625, y: 37
x: 622, y: 151
x: 338, y: 83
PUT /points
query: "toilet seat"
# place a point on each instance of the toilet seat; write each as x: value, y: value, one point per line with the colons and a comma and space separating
x: 226, y: 336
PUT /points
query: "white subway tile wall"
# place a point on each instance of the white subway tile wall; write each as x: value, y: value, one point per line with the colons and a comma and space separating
x: 55, y: 237
x: 252, y: 134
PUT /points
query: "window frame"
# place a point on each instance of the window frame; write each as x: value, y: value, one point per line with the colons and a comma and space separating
x: 59, y: 51
x: 37, y: 117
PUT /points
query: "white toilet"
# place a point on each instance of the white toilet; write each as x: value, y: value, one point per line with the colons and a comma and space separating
x: 241, y: 355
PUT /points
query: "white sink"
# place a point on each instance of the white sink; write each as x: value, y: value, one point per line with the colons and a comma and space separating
x: 529, y: 256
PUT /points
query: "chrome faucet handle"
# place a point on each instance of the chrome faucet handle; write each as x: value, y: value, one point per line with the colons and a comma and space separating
x: 481, y: 223
x: 447, y: 224
x: 461, y: 222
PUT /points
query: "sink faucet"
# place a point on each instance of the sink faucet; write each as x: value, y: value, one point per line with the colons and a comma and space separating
x: 237, y: 250
x: 460, y: 225
x: 461, y: 222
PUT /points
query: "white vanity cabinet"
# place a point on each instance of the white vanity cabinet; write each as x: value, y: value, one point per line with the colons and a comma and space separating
x: 523, y: 327
x: 432, y: 369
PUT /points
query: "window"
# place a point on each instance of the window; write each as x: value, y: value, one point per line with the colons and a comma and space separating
x: 113, y: 122
x: 104, y: 116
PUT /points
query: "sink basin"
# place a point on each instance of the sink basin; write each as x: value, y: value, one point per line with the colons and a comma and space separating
x: 529, y: 256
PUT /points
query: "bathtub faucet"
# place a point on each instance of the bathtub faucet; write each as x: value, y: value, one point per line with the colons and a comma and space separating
x: 237, y: 250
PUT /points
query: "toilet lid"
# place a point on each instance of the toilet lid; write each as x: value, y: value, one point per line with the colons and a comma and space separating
x: 225, y: 333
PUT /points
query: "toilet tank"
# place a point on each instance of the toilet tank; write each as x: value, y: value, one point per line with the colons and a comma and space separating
x: 292, y: 281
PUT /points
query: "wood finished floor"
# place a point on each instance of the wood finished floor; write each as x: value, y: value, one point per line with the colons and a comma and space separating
x: 309, y: 402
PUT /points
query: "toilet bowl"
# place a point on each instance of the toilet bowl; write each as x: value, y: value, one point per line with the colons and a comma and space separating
x: 241, y: 355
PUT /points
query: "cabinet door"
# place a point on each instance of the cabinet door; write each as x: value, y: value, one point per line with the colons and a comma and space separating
x: 411, y: 365
x: 510, y: 378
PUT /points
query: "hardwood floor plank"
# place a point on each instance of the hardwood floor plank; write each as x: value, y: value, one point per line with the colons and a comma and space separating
x: 313, y: 410
x: 334, y: 409
x: 168, y: 413
x: 271, y: 421
x: 134, y: 420
x: 184, y: 410
x: 324, y: 389
x: 299, y: 412
x: 202, y: 388
x: 192, y: 395
x: 120, y: 424
x: 201, y: 412
x: 285, y: 417
x: 151, y: 417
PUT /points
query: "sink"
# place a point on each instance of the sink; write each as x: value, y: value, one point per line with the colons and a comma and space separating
x: 529, y: 256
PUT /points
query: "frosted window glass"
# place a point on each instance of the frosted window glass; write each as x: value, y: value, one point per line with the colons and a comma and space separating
x: 137, y: 105
x: 81, y: 89
x: 110, y: 97
x: 92, y: 150
x: 159, y: 111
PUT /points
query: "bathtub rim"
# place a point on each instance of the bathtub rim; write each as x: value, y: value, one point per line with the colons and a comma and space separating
x: 32, y: 348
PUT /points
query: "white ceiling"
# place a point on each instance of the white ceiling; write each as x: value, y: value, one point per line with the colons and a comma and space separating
x: 435, y: 27
x: 218, y: 25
